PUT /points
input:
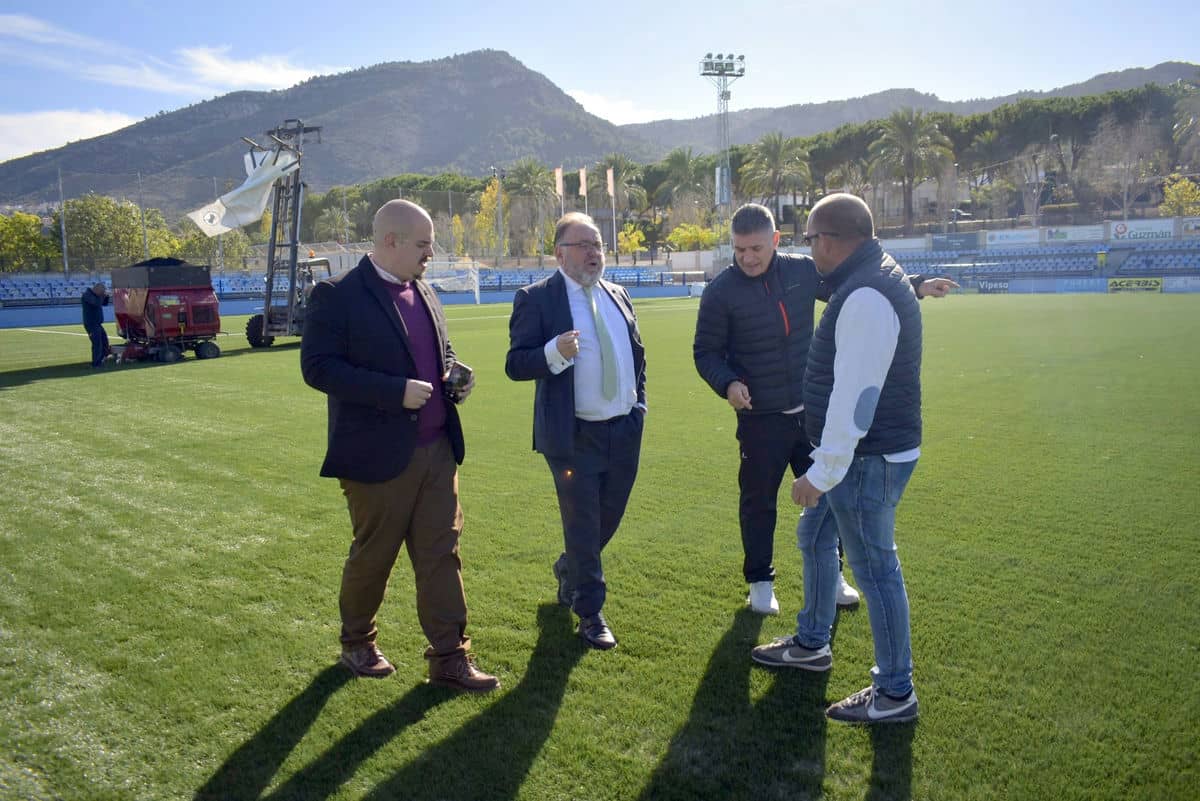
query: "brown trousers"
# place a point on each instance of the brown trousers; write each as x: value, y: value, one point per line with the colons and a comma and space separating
x: 420, y: 509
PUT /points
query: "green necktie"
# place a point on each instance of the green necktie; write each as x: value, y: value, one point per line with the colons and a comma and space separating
x: 608, y: 356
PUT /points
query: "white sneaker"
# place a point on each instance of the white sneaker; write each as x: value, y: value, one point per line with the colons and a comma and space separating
x: 846, y: 595
x: 762, y: 598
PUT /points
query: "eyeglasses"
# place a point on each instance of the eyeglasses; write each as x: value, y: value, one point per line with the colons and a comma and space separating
x: 808, y: 239
x: 592, y: 245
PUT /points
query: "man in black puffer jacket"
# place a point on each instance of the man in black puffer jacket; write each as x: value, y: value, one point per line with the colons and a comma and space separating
x: 753, y: 332
x: 862, y: 399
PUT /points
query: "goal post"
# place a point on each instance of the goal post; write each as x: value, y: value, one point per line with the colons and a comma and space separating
x: 451, y: 277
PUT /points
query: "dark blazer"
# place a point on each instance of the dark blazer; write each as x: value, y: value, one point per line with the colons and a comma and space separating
x: 356, y: 350
x: 541, y: 312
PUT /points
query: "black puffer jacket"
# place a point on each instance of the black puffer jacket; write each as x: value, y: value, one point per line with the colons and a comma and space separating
x: 757, y: 331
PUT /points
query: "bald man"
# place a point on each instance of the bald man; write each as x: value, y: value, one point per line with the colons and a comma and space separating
x: 862, y: 401
x: 375, y: 343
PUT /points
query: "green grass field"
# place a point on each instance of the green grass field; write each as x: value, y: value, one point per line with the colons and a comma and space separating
x: 169, y: 564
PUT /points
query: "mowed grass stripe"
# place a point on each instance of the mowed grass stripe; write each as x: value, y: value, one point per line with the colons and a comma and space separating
x: 169, y: 563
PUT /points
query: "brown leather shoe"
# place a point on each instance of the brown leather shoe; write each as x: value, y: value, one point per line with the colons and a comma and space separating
x: 460, y: 673
x: 368, y: 661
x: 595, y: 632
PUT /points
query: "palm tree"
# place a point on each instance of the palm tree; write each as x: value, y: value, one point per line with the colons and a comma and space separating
x: 627, y: 177
x: 1186, y: 132
x: 776, y: 163
x: 530, y: 184
x: 332, y: 225
x: 686, y: 178
x: 853, y: 176
x: 530, y: 178
x: 911, y: 148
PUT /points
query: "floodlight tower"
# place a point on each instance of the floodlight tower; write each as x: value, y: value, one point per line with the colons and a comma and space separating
x: 722, y: 70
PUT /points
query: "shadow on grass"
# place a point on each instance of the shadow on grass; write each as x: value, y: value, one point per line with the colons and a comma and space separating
x: 53, y: 372
x: 891, y: 767
x: 248, y: 770
x: 491, y: 755
x: 733, y: 748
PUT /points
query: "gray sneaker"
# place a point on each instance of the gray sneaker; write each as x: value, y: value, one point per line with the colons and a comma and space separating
x: 871, y: 706
x: 786, y: 652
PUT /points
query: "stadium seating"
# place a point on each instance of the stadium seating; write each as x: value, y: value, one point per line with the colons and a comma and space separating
x: 1159, y: 257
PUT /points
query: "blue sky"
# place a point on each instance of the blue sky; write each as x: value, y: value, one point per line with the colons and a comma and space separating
x: 72, y: 70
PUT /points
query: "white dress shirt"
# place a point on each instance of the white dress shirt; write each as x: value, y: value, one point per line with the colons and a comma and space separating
x: 590, y: 403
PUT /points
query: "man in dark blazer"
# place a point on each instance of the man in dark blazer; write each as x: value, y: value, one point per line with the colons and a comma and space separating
x: 576, y: 336
x: 375, y: 343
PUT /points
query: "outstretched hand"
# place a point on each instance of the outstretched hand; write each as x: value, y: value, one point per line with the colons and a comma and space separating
x: 937, y: 287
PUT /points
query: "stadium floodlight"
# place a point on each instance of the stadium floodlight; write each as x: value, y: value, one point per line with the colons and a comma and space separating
x: 722, y: 71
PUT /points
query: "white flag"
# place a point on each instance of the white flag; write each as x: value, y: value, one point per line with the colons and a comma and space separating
x: 583, y: 181
x: 247, y: 203
x: 611, y: 193
x: 558, y: 181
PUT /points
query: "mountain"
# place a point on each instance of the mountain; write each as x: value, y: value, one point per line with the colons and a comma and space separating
x: 463, y: 113
x: 703, y: 135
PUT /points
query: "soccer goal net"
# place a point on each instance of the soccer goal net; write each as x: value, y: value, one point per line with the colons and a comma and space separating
x: 454, y: 277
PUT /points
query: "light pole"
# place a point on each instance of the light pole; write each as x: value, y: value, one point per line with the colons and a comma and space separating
x: 722, y: 70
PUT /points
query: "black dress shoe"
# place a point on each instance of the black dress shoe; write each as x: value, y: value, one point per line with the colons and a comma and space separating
x: 596, y: 633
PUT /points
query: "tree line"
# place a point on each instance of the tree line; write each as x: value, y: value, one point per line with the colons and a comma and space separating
x: 1058, y: 159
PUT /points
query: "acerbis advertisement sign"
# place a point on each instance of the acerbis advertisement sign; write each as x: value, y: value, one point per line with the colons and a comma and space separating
x: 1133, y: 230
x: 1135, y: 285
x: 1075, y: 233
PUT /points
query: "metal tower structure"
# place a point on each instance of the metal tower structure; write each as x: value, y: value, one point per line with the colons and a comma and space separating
x: 722, y: 70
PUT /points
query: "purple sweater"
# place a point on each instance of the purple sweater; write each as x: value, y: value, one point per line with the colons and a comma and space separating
x: 422, y: 338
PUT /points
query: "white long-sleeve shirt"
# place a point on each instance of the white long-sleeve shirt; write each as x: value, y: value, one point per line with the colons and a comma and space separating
x: 865, y: 337
x: 590, y: 403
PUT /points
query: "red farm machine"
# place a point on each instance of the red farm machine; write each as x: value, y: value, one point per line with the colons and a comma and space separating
x: 164, y: 306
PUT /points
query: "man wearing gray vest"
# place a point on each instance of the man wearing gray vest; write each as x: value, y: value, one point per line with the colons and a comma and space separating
x: 862, y: 400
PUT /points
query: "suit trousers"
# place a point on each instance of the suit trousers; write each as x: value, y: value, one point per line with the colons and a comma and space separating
x: 593, y: 488
x: 100, y: 348
x: 418, y: 508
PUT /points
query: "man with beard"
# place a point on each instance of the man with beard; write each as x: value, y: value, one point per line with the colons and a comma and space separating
x: 576, y: 336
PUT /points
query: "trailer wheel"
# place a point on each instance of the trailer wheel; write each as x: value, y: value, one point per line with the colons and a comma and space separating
x: 169, y: 354
x: 207, y: 350
x: 254, y: 333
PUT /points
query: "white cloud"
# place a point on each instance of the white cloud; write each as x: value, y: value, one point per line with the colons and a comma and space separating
x: 213, y: 65
x: 30, y: 29
x: 22, y: 134
x: 144, y: 76
x: 619, y: 111
x: 191, y: 73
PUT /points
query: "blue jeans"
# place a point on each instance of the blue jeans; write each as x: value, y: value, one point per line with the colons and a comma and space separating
x: 861, y: 510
